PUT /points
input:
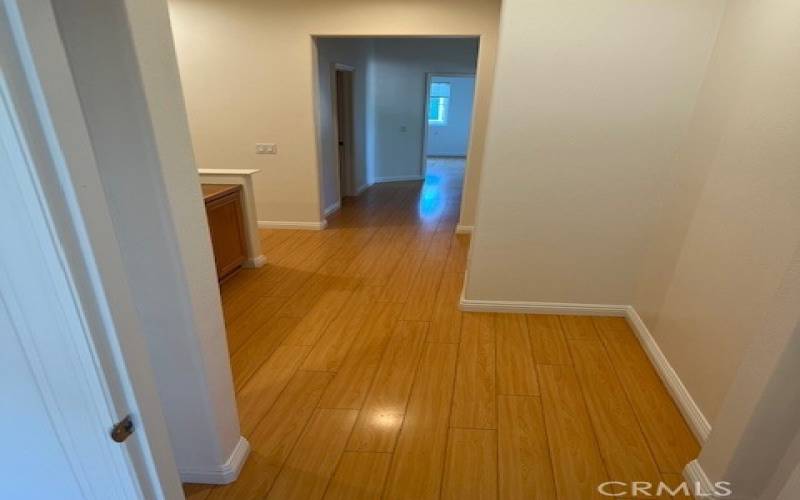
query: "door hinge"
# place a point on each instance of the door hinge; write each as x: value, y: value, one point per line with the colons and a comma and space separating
x: 122, y: 429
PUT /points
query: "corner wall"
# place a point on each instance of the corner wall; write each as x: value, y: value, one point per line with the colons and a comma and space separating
x: 589, y: 106
x: 647, y: 154
x: 126, y: 76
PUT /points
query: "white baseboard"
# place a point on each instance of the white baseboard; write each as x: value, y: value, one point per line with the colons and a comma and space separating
x: 399, y: 178
x: 683, y: 399
x: 255, y: 262
x: 461, y: 229
x: 362, y: 188
x: 280, y: 224
x: 333, y: 207
x: 698, y: 481
x: 222, y: 474
x: 509, y: 306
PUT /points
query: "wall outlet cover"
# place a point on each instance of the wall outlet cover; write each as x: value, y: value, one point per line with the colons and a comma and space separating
x: 266, y: 148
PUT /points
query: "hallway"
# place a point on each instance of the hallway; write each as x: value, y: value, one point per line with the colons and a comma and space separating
x: 357, y: 376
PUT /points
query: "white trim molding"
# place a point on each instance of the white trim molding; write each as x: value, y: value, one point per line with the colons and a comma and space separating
x: 363, y: 188
x: 519, y: 307
x: 399, y: 178
x: 223, y: 474
x: 255, y: 262
x: 333, y: 207
x: 281, y: 224
x: 699, y: 483
x: 226, y: 172
x: 683, y: 399
x: 462, y: 229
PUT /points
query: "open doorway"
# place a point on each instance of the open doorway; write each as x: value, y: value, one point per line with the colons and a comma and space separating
x: 343, y: 112
x: 373, y: 104
x: 448, y: 117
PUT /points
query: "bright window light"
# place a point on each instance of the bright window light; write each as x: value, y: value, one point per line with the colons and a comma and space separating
x: 438, y: 104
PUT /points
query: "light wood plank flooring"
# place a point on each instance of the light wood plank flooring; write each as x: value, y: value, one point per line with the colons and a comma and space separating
x: 357, y: 377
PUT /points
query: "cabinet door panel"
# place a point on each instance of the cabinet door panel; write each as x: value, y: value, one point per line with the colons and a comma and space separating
x: 227, y: 233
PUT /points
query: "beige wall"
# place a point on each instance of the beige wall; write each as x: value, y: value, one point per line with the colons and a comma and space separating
x: 247, y: 68
x: 733, y: 223
x: 590, y: 103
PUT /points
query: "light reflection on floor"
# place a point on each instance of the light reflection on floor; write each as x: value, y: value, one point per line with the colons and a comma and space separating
x: 440, y: 175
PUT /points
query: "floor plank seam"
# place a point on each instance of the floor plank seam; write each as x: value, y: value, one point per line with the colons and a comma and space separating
x: 341, y: 453
x: 449, y: 419
x: 635, y: 413
x: 592, y: 423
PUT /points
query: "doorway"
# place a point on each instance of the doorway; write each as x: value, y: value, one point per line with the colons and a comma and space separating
x: 446, y: 128
x: 386, y: 116
x: 343, y: 118
x: 448, y: 118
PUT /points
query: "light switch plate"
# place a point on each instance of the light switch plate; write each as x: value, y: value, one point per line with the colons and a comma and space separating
x: 266, y: 148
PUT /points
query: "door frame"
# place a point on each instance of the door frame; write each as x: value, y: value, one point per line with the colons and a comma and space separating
x: 53, y: 171
x: 348, y: 187
x: 424, y: 149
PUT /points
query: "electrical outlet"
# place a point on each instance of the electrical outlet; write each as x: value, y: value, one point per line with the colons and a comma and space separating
x: 266, y: 148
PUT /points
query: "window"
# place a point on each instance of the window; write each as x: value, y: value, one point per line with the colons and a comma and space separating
x: 438, y: 104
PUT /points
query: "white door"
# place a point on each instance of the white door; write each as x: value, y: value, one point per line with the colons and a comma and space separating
x: 68, y: 372
x: 56, y: 410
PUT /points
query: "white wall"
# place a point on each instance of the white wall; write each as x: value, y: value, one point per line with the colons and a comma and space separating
x: 755, y: 441
x: 452, y: 138
x: 127, y: 79
x: 247, y: 70
x: 400, y: 67
x: 732, y: 224
x: 590, y: 104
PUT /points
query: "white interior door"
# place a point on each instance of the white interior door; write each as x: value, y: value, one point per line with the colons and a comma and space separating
x: 57, y: 411
x: 70, y: 363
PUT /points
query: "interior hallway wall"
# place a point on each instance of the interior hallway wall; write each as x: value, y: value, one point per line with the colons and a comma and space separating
x: 247, y: 68
x: 589, y: 106
x: 730, y: 220
x: 452, y: 138
x: 400, y: 67
x: 128, y: 83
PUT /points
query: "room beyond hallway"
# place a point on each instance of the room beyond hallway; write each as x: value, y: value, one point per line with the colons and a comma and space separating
x: 357, y: 376
x: 450, y: 104
x: 385, y: 104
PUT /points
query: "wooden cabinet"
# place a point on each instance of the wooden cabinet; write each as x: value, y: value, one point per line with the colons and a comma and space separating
x: 226, y: 224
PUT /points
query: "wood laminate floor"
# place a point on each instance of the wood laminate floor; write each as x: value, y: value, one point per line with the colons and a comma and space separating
x: 357, y: 377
